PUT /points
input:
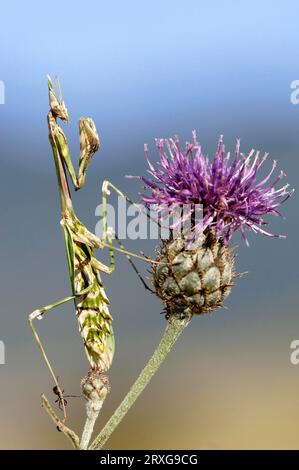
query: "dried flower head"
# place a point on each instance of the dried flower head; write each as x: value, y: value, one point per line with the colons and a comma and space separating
x: 232, y: 197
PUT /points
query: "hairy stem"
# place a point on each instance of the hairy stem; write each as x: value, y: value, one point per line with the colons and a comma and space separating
x: 88, y: 429
x: 69, y: 433
x: 173, y: 330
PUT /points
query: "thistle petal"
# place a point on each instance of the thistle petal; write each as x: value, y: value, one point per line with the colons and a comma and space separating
x: 232, y: 197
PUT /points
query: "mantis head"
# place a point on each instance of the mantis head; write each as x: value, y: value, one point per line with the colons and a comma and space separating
x: 57, y: 105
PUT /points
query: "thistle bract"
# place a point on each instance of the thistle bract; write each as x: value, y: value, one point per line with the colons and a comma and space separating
x: 194, y: 280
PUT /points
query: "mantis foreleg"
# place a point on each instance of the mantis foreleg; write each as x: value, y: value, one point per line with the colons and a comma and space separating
x: 89, y: 140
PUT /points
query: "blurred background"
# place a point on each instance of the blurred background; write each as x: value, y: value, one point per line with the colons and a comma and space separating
x: 145, y: 70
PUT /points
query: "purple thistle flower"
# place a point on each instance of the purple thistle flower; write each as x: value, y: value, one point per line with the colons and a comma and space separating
x: 228, y: 189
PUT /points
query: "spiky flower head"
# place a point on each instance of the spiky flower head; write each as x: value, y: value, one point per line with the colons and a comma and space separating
x: 196, y: 280
x: 227, y: 187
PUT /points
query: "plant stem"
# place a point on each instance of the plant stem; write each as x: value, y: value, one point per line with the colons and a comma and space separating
x: 173, y: 330
x: 69, y: 433
x: 88, y: 429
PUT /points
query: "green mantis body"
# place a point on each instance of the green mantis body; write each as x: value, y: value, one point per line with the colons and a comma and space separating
x: 90, y: 299
x: 88, y: 294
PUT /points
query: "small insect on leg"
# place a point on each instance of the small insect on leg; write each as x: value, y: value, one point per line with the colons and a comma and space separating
x: 38, y: 315
x: 59, y: 400
x: 60, y: 424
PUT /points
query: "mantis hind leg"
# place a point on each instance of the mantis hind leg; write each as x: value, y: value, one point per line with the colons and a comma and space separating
x: 134, y: 267
x: 107, y: 185
x: 38, y: 314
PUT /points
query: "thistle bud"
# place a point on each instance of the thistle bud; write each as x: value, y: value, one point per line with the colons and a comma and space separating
x: 95, y: 388
x: 195, y: 279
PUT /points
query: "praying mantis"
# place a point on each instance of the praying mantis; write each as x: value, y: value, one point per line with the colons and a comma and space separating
x: 90, y: 300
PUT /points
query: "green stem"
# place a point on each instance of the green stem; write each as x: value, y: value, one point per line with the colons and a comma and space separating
x: 173, y: 330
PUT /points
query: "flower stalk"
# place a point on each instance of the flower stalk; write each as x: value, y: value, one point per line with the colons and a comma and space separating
x: 95, y: 388
x: 174, y: 328
x: 69, y: 433
x: 92, y: 413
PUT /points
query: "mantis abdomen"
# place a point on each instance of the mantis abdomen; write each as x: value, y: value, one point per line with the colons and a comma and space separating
x: 92, y: 309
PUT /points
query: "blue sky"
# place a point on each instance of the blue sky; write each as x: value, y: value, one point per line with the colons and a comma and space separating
x: 147, y: 69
